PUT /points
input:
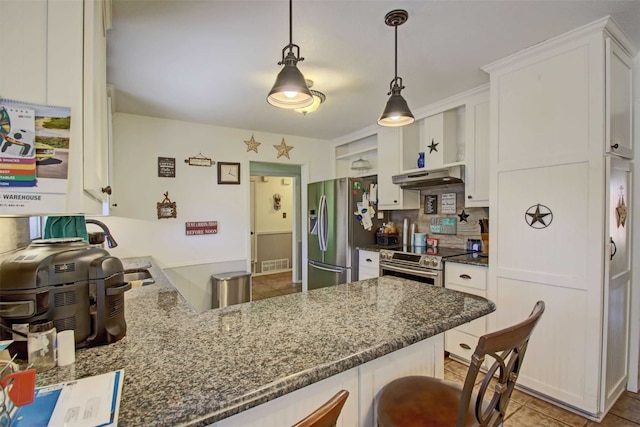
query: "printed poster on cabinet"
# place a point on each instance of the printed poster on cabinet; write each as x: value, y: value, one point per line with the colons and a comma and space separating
x: 34, y: 157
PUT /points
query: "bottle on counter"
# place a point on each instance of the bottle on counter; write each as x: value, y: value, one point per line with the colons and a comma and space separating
x: 41, y: 346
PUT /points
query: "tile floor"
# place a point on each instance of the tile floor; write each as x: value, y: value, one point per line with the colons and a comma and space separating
x: 527, y: 411
x: 524, y: 410
x: 273, y: 285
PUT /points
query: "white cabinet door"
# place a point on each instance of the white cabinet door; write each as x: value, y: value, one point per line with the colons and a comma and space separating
x: 438, y: 139
x: 96, y: 147
x: 476, y: 180
x: 390, y: 196
x: 618, y: 288
x: 368, y: 264
x: 619, y: 101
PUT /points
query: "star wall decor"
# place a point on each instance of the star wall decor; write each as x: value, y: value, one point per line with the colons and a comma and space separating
x: 433, y: 146
x: 463, y: 216
x: 536, y: 216
x: 252, y: 144
x: 621, y: 212
x: 283, y: 149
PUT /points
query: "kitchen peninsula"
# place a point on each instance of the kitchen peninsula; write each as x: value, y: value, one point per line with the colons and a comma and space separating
x: 242, y: 365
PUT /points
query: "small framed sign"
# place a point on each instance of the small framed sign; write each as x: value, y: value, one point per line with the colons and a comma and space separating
x: 431, y: 204
x: 167, y: 208
x: 166, y: 167
x: 199, y: 160
x: 443, y: 225
x: 448, y: 203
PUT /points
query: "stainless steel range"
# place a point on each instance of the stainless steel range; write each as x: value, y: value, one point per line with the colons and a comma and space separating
x: 417, y: 263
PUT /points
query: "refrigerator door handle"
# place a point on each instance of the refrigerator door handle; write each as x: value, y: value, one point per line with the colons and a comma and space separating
x: 322, y: 221
x: 330, y: 269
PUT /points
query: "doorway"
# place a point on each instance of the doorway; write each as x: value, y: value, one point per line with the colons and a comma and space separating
x: 275, y: 205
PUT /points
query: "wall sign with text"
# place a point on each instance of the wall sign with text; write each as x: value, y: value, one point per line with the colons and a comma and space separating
x: 199, y: 228
x: 166, y: 167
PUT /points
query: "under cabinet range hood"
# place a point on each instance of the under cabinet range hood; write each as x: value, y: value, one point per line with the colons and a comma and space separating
x: 417, y: 180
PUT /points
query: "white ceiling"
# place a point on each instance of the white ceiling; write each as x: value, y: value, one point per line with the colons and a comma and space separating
x: 215, y: 61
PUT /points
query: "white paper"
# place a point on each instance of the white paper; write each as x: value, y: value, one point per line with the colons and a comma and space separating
x: 449, y: 203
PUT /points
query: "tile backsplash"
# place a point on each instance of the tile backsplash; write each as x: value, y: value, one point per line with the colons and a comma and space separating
x: 466, y: 229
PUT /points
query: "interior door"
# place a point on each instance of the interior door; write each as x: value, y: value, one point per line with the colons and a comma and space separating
x: 617, y: 279
x: 252, y: 210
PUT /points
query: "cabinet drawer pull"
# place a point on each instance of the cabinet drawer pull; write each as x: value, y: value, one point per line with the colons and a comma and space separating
x: 465, y: 276
x: 465, y: 346
x: 368, y: 260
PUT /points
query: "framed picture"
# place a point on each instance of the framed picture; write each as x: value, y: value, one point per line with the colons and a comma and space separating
x: 228, y: 173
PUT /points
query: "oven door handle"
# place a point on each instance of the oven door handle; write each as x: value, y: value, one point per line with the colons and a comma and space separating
x: 408, y: 271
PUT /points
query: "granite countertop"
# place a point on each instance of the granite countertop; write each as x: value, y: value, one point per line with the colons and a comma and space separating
x: 188, y: 368
x: 473, y: 259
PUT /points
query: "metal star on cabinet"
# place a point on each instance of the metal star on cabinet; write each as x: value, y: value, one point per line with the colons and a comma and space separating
x: 283, y: 149
x: 537, y: 214
x: 252, y: 144
x: 433, y: 146
x: 463, y: 216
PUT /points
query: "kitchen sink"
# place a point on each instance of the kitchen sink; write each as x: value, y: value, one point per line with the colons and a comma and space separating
x: 138, y: 277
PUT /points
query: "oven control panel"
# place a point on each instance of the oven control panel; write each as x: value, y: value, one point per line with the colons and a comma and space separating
x: 410, y: 259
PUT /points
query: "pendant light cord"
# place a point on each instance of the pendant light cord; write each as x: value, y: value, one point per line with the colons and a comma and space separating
x: 396, y: 69
x: 290, y: 25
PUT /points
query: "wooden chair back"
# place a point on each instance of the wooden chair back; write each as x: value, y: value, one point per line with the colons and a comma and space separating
x: 326, y: 415
x: 508, y: 347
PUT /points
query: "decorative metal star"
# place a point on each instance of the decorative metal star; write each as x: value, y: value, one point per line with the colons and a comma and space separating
x: 283, y: 149
x: 463, y: 216
x: 537, y: 214
x: 252, y: 144
x: 433, y: 146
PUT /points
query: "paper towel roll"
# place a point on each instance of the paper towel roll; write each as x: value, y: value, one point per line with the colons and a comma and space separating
x: 66, y: 348
x: 405, y: 232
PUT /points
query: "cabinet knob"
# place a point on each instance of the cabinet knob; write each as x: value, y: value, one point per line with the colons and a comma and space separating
x: 469, y: 196
x: 395, y: 201
x: 615, y: 146
x: 107, y: 190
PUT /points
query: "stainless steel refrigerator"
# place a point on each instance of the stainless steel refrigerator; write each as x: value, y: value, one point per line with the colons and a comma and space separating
x: 335, y: 232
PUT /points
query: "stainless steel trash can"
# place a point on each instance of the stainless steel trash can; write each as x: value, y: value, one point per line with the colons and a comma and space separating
x: 231, y: 288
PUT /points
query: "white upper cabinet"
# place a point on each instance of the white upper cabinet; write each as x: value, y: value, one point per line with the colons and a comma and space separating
x: 392, y: 155
x: 476, y: 180
x: 96, y: 133
x: 619, y: 101
x: 58, y: 57
x: 439, y: 139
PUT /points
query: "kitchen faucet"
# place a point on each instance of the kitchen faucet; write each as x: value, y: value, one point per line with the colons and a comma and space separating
x: 107, y: 234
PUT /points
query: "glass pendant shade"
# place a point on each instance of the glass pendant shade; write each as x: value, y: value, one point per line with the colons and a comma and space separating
x: 318, y: 98
x: 396, y: 111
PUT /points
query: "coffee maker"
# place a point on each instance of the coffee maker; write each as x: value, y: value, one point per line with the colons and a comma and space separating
x: 67, y: 281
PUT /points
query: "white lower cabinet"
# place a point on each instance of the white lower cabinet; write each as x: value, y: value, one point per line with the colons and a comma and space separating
x: 363, y: 383
x: 368, y: 264
x: 472, y: 279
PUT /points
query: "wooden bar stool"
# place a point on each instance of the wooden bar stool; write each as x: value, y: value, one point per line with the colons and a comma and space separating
x: 326, y: 415
x: 419, y: 401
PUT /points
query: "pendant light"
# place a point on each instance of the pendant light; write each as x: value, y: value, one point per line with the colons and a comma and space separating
x: 318, y: 98
x: 396, y: 111
x: 290, y: 89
